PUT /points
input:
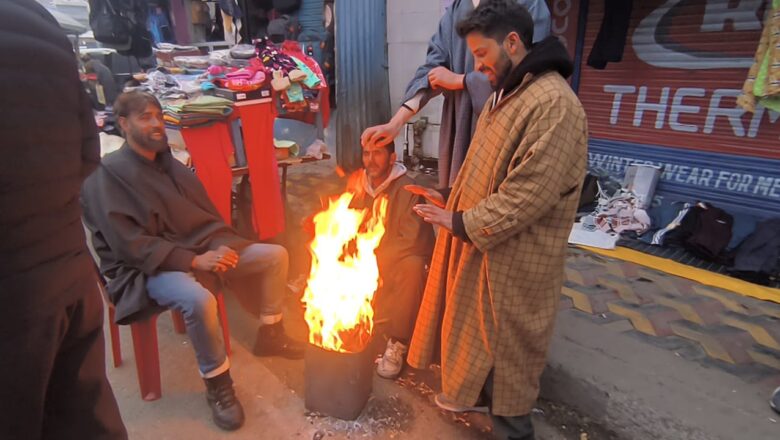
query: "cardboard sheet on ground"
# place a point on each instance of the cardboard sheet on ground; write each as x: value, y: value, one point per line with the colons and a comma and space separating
x: 595, y: 238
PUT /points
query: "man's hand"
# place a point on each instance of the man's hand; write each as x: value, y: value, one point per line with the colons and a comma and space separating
x: 430, y: 194
x: 443, y: 78
x: 435, y: 215
x: 379, y: 135
x: 220, y: 260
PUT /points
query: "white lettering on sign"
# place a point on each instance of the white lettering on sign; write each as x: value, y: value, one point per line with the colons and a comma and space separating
x: 653, y: 43
x: 717, y: 113
x: 738, y: 182
x: 768, y: 186
x: 619, y: 91
x: 734, y: 114
x: 642, y: 105
x: 679, y: 108
x: 560, y: 19
x: 743, y: 15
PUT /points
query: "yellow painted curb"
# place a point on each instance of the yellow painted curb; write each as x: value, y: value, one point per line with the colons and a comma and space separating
x: 682, y: 270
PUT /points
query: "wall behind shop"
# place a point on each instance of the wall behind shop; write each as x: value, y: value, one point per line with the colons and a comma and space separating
x: 410, y: 25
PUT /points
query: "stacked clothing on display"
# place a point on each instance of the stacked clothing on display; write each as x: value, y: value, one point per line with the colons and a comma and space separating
x: 295, y: 76
x: 162, y: 85
x: 197, y: 111
x: 245, y: 79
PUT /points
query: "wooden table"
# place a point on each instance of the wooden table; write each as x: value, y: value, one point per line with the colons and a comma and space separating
x: 283, y: 164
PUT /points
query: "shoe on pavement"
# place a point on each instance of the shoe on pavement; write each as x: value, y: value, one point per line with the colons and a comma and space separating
x: 392, y: 362
x: 774, y: 402
x: 226, y: 410
x: 448, y: 404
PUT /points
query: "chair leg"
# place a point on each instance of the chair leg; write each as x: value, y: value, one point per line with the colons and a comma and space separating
x: 178, y: 322
x: 224, y: 322
x: 147, y: 358
x: 116, y: 347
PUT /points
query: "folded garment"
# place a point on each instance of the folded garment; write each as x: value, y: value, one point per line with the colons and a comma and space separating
x: 295, y: 93
x: 291, y: 145
x: 203, y: 104
x: 201, y: 110
x: 311, y: 80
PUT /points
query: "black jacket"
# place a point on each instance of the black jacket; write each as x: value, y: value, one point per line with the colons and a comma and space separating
x: 48, y: 145
x: 146, y: 217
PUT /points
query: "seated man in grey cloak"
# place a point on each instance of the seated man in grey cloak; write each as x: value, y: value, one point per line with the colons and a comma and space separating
x: 402, y: 254
x: 162, y: 243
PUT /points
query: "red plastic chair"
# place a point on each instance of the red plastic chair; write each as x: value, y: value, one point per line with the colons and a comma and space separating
x: 147, y: 355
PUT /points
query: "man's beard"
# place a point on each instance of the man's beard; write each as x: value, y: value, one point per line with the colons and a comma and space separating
x: 148, y: 142
x: 503, y: 69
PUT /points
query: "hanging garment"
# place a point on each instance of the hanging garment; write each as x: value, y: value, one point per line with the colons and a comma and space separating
x: 611, y: 39
x: 160, y: 27
x: 122, y: 25
x: 232, y: 35
x: 231, y: 20
x: 763, y: 82
x: 267, y: 207
x: 461, y: 108
x: 211, y: 148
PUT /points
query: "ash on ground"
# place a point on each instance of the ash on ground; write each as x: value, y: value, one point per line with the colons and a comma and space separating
x: 391, y: 416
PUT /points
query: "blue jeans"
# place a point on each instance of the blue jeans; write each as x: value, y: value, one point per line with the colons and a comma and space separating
x: 258, y: 282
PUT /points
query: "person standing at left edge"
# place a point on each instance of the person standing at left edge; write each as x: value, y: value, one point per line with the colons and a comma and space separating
x: 53, y: 381
x: 497, y: 268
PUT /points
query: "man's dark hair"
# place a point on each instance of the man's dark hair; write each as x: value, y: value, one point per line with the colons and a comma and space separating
x: 496, y: 19
x: 134, y: 102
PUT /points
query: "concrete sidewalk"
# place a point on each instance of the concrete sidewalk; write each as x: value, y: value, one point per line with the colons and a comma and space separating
x: 636, y: 355
x: 271, y: 390
x: 656, y: 356
x: 642, y: 353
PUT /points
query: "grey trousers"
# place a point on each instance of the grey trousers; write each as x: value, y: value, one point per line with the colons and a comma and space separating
x: 507, y: 428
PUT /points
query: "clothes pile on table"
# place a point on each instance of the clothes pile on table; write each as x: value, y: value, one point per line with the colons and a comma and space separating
x: 197, y: 111
x: 163, y: 85
x: 295, y: 76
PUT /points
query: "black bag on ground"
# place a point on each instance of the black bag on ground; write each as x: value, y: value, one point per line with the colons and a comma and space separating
x: 757, y: 258
x: 711, y: 232
x: 589, y: 195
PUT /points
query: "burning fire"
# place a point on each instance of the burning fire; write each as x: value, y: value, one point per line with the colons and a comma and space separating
x: 344, y: 275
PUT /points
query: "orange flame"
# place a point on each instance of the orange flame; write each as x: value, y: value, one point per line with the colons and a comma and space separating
x: 344, y: 275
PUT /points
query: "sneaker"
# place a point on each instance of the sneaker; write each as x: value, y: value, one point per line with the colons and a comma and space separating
x: 273, y: 341
x: 226, y: 410
x: 448, y: 404
x: 774, y: 402
x: 392, y: 361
